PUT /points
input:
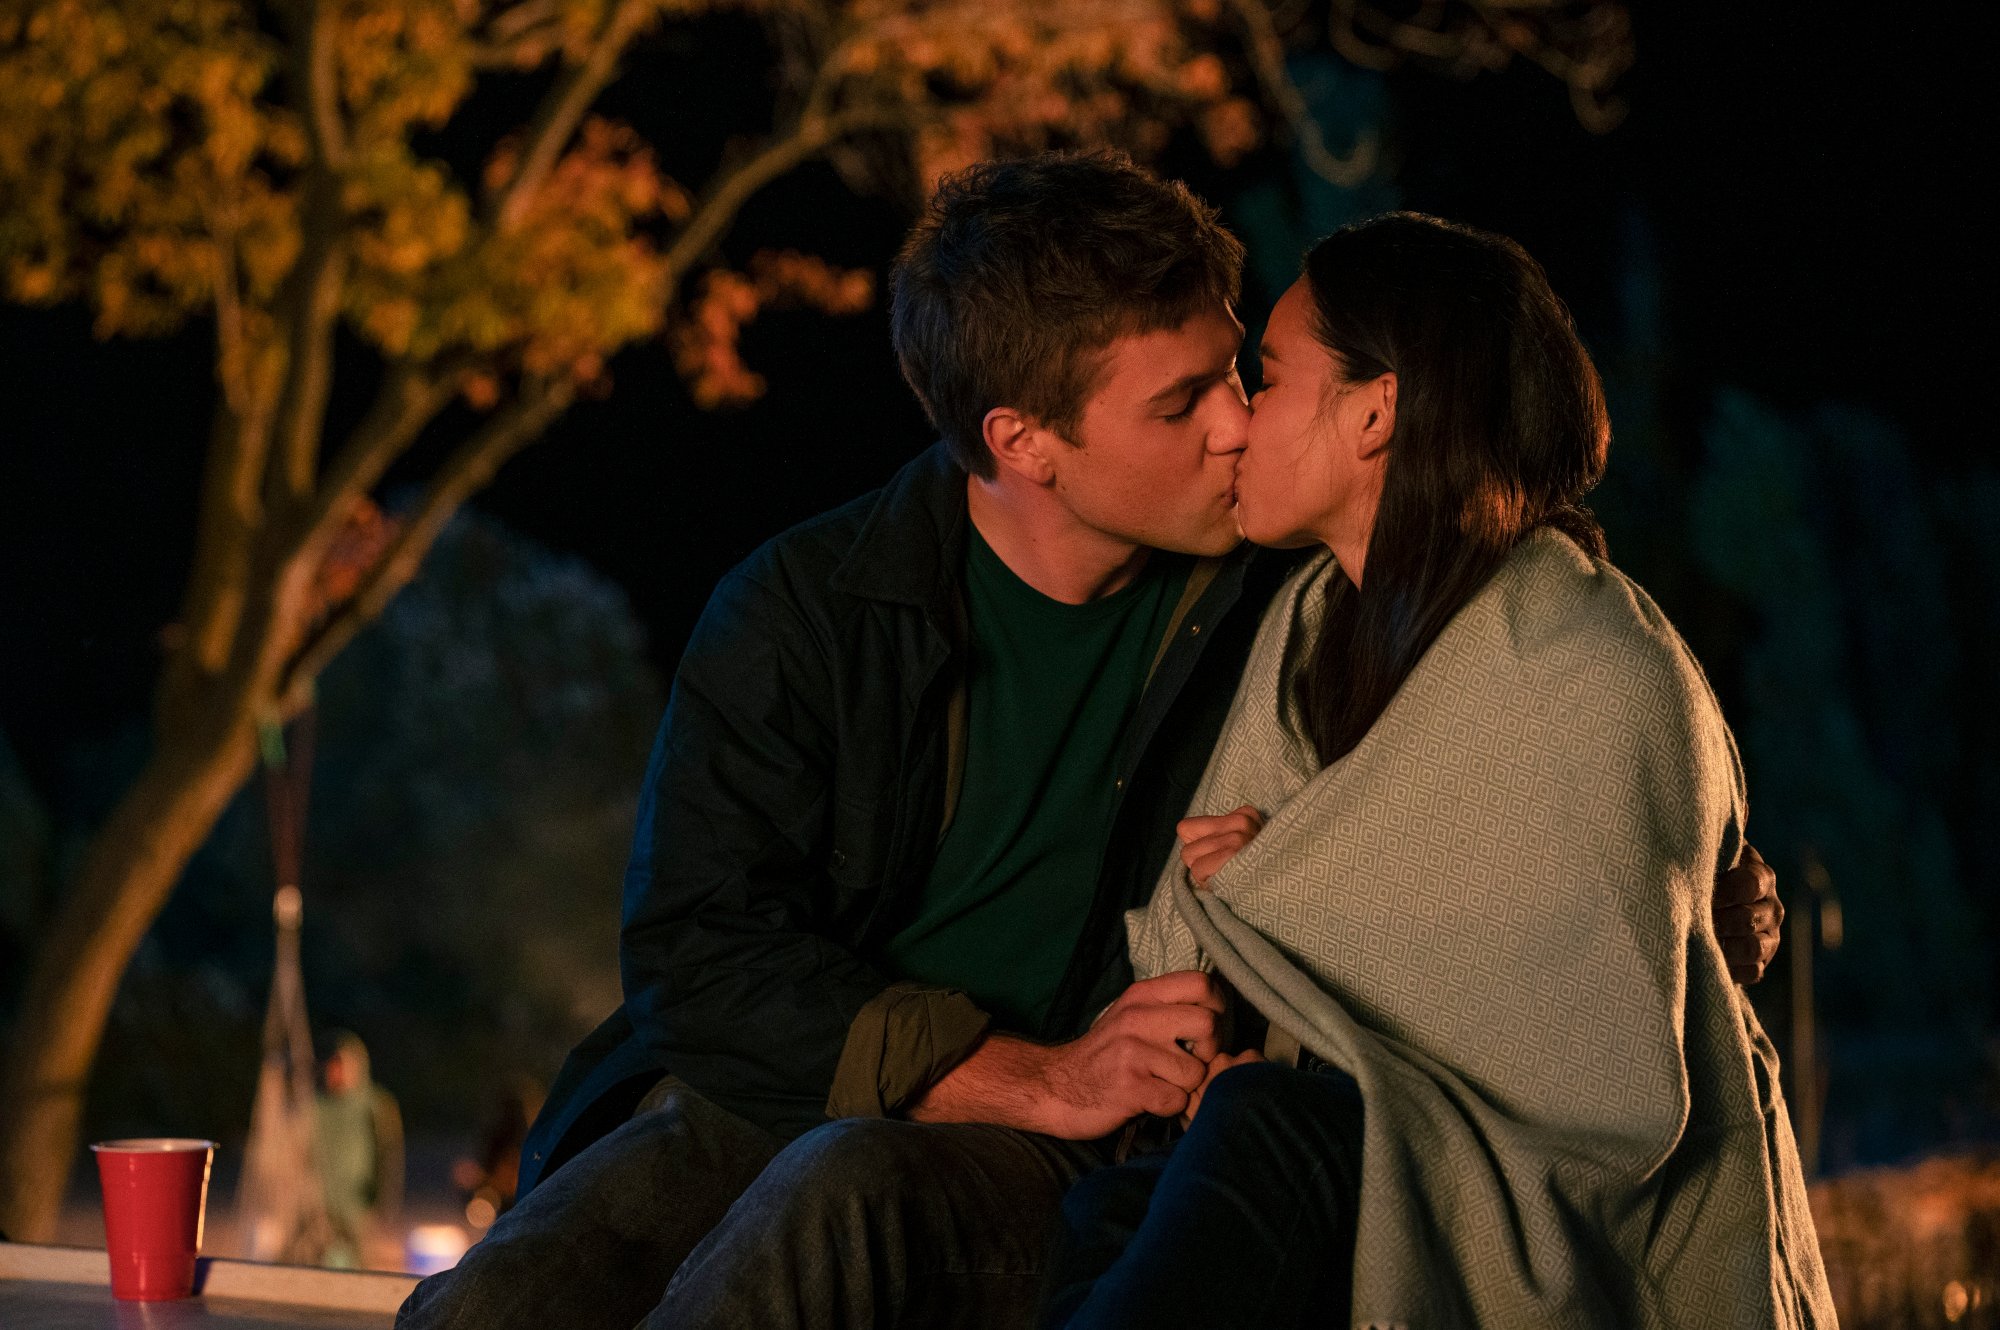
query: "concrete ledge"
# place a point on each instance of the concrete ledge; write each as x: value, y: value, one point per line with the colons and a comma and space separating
x: 247, y: 1281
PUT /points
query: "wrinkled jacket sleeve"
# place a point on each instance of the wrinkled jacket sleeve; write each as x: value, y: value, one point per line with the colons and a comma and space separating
x: 728, y: 976
x: 900, y: 1044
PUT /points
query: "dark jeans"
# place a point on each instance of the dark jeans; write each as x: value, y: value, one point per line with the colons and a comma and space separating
x: 688, y: 1216
x: 873, y: 1222
x: 593, y: 1246
x: 1248, y: 1220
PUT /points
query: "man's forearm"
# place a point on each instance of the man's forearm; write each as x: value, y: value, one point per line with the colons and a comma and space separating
x: 1144, y: 1054
x: 1004, y: 1082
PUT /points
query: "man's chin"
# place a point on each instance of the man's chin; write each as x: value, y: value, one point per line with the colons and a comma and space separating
x: 1206, y: 544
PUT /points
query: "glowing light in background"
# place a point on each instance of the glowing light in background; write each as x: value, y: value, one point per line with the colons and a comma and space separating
x: 432, y: 1248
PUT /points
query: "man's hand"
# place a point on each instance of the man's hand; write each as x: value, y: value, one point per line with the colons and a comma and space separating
x: 1223, y: 1062
x: 1207, y: 843
x: 1748, y: 916
x: 1146, y: 1054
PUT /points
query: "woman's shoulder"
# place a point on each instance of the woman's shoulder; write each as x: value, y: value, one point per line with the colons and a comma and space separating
x: 1297, y: 606
x: 1552, y: 595
x: 1312, y: 570
x: 1558, y: 608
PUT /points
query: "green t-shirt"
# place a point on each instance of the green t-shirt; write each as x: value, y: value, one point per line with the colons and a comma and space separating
x: 1051, y: 688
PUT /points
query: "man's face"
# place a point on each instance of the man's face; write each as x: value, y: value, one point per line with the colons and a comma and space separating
x: 1155, y: 456
x: 341, y: 1073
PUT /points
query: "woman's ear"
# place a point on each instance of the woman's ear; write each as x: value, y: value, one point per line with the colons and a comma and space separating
x: 1378, y: 415
x: 1018, y: 444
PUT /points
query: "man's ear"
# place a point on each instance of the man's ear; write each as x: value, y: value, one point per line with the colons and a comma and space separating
x: 1018, y: 444
x: 1376, y: 400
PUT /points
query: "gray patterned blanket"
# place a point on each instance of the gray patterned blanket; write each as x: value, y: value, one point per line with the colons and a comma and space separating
x: 1494, y: 914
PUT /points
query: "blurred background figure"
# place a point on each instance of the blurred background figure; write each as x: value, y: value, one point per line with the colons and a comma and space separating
x: 359, y: 1136
x: 490, y: 1180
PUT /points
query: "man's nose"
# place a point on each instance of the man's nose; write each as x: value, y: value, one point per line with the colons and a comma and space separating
x: 1230, y: 430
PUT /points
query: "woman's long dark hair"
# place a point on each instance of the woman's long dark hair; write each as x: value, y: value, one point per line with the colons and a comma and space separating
x: 1500, y: 429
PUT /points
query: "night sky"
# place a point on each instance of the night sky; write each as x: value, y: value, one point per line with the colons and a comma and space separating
x: 1806, y: 178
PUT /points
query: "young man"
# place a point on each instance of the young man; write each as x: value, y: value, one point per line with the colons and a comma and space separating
x: 922, y: 752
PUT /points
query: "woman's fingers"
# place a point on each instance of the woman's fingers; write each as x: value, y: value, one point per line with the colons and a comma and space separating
x: 1207, y: 843
x: 1207, y: 866
x: 1245, y: 821
x: 1225, y: 844
x: 1219, y: 1064
x: 1181, y: 1070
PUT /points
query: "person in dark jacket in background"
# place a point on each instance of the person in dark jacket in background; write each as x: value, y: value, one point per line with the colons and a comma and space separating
x: 921, y: 754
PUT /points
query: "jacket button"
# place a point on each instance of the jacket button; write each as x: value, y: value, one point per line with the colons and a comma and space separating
x: 838, y: 859
x: 1193, y: 629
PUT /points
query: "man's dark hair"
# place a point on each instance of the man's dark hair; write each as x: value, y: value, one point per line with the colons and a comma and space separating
x: 1500, y: 429
x: 1021, y: 272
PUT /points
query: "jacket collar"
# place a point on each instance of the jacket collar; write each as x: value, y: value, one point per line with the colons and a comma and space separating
x: 912, y: 543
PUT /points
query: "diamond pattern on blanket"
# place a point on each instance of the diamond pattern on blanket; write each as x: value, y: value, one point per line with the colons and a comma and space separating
x: 1494, y: 913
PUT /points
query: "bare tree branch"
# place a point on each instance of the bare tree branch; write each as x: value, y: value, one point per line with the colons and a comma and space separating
x: 231, y: 512
x: 311, y: 314
x: 1587, y: 48
x: 517, y: 36
x: 1395, y: 38
x: 563, y: 109
x: 811, y: 135
x: 518, y: 20
x: 231, y: 508
x: 504, y: 433
x: 282, y: 557
x: 1267, y: 57
x: 317, y: 79
x: 310, y: 308
x: 409, y: 399
x: 232, y: 352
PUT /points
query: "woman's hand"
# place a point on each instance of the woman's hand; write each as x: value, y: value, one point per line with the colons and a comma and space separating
x: 1222, y: 1062
x: 1207, y: 843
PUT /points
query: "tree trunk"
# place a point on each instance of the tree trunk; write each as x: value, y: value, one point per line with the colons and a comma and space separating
x: 132, y: 866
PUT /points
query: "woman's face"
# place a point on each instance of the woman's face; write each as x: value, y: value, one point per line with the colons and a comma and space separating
x: 1311, y: 471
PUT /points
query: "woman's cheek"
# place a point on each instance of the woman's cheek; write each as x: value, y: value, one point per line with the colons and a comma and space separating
x: 1265, y: 506
x: 1291, y: 480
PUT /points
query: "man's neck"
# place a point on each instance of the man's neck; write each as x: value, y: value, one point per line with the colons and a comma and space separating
x: 1046, y: 546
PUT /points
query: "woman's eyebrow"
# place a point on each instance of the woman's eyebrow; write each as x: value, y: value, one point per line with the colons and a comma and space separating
x: 1265, y: 351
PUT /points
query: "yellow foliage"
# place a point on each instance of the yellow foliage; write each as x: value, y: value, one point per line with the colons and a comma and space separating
x: 403, y: 64
x: 705, y: 341
x: 1019, y: 76
x: 1230, y: 130
x: 133, y: 138
x: 576, y: 275
x: 152, y: 161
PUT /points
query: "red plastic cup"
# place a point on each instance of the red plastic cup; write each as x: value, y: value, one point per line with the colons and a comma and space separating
x: 155, y: 1190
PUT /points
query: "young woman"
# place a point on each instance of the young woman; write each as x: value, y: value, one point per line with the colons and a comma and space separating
x: 1480, y: 789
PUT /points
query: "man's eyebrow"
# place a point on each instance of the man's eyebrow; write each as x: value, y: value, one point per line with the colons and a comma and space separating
x: 1200, y: 378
